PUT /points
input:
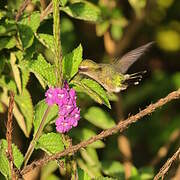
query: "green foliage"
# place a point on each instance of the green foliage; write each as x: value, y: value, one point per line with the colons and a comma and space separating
x: 91, y: 88
x: 63, y: 2
x: 71, y: 63
x: 27, y: 27
x: 99, y: 118
x: 4, y: 163
x: 51, y: 143
x: 25, y: 105
x: 7, y: 42
x: 40, y: 109
x: 40, y: 67
x: 85, y: 134
x: 82, y: 175
x: 83, y: 10
x: 114, y: 169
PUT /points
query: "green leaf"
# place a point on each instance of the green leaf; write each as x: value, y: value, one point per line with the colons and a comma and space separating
x: 51, y: 143
x: 82, y: 175
x: 47, y: 40
x: 40, y: 109
x: 71, y: 62
x: 63, y: 2
x: 32, y: 21
x: 83, y: 10
x: 4, y: 164
x: 43, y: 69
x: 98, y: 90
x: 24, y: 102
x: 146, y: 173
x: 105, y: 178
x: 7, y: 42
x: 7, y: 82
x: 99, y: 118
x: 114, y: 169
x: 16, y: 71
x: 84, y: 134
x: 27, y: 27
x: 25, y: 74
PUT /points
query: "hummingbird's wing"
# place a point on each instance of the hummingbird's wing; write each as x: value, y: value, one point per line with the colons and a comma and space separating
x: 123, y: 64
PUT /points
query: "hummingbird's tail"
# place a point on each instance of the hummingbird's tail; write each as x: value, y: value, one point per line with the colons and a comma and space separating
x: 133, y: 79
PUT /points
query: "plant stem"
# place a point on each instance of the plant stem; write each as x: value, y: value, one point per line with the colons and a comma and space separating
x: 57, y: 42
x: 36, y: 137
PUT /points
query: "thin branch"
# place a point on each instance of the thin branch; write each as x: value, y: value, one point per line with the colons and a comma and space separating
x: 121, y: 126
x: 47, y: 11
x: 21, y: 9
x: 36, y: 137
x: 167, y: 165
x: 9, y: 135
x: 43, y: 4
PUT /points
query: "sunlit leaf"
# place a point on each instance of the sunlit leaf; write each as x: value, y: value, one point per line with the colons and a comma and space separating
x: 51, y: 143
x: 99, y: 118
x: 83, y: 10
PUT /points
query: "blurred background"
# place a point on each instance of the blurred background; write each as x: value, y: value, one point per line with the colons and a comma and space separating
x: 125, y: 25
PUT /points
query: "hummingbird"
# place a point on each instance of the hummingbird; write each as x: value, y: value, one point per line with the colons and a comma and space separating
x: 113, y: 76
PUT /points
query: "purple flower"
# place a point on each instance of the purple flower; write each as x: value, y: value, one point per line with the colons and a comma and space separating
x: 69, y: 113
x: 51, y: 96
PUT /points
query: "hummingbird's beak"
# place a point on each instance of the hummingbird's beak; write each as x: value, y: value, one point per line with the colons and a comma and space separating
x: 83, y: 68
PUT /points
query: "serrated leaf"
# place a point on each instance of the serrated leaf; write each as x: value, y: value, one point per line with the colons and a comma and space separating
x: 71, y: 62
x: 25, y: 74
x: 114, y: 169
x: 51, y: 143
x: 16, y: 71
x: 84, y: 134
x: 63, y: 2
x: 47, y: 40
x: 82, y: 175
x: 83, y: 10
x: 98, y: 90
x: 7, y: 82
x: 40, y: 109
x: 99, y: 118
x: 32, y: 20
x: 44, y: 69
x: 7, y: 42
x: 27, y: 27
x: 24, y: 102
x: 4, y: 164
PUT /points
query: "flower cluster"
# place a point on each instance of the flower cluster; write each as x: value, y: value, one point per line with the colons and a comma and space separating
x: 69, y: 113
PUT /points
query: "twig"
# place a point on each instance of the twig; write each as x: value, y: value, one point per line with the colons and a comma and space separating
x: 36, y: 137
x: 21, y: 9
x: 9, y: 135
x: 47, y: 11
x: 167, y: 165
x: 121, y: 126
x: 43, y: 4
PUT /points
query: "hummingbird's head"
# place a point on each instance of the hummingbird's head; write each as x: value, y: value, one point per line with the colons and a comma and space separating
x: 88, y: 65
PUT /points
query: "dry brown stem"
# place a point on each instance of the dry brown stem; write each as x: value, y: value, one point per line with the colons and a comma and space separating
x: 46, y: 11
x: 167, y: 165
x: 9, y: 152
x: 21, y: 9
x: 121, y: 126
